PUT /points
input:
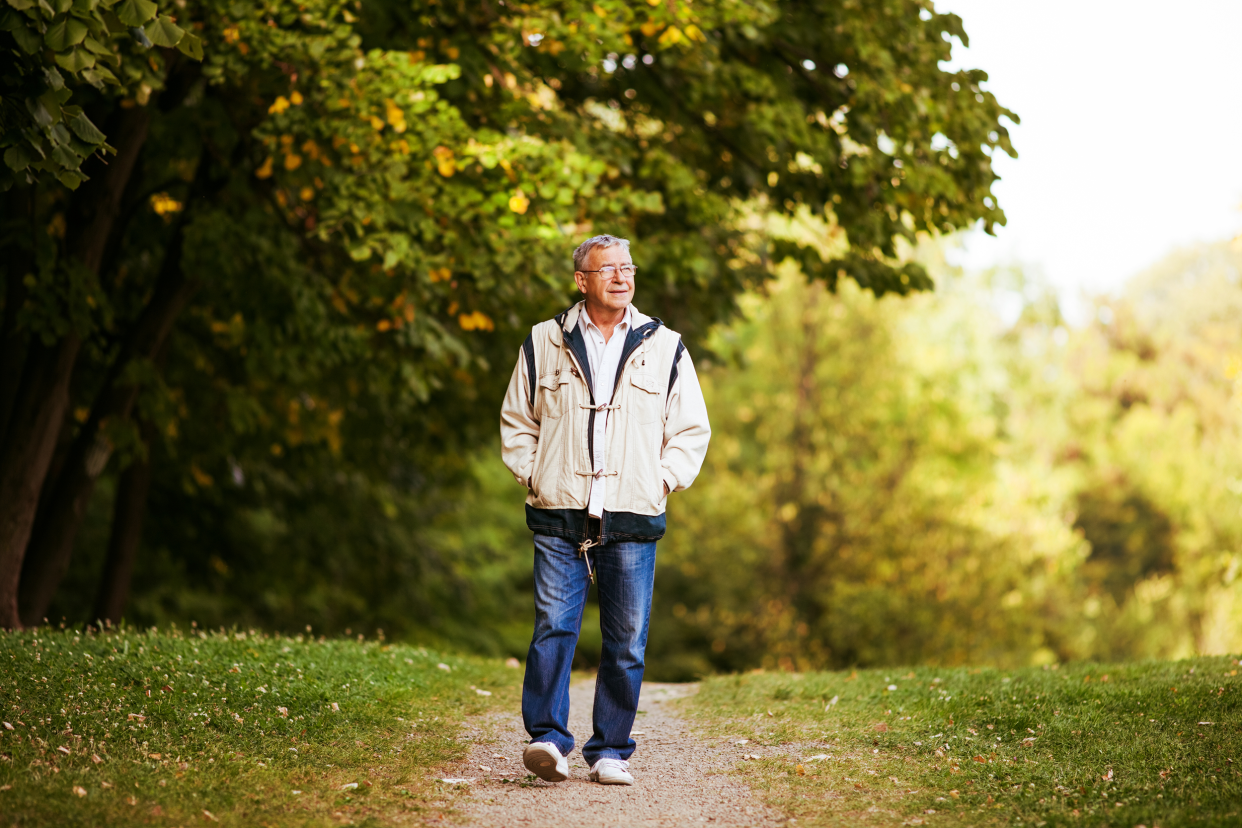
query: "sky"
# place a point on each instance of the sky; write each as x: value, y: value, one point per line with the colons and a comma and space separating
x: 1130, y: 144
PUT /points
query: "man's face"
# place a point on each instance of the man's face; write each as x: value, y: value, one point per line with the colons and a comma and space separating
x: 607, y: 291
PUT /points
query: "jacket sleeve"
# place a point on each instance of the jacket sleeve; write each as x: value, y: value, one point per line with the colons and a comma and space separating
x: 519, y: 429
x: 686, y: 429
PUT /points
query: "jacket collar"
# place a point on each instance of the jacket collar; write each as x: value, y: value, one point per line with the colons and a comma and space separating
x: 569, y: 320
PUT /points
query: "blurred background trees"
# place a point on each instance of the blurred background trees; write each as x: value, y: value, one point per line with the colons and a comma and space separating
x: 252, y: 363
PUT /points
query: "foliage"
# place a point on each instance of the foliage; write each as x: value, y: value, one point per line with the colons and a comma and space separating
x: 1114, y: 745
x: 85, y: 40
x: 327, y: 238
x: 247, y: 728
x: 861, y: 504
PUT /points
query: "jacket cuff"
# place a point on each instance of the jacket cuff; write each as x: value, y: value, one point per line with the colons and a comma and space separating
x: 669, y: 480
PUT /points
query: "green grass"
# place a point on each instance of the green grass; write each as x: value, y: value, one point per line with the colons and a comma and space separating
x: 1097, y: 745
x: 180, y: 727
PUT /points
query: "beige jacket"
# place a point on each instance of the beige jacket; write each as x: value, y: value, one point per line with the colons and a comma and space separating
x: 657, y: 432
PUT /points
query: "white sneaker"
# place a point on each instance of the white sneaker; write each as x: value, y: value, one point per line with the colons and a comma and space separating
x: 544, y: 760
x: 611, y: 772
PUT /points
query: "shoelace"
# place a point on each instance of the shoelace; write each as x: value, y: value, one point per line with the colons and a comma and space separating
x: 624, y: 765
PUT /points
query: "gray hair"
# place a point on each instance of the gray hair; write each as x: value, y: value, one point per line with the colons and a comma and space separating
x: 605, y: 240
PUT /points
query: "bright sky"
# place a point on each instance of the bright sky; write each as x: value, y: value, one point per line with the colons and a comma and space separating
x: 1131, y: 137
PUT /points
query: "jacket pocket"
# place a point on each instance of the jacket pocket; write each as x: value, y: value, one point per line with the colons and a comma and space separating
x: 643, y: 399
x: 555, y: 396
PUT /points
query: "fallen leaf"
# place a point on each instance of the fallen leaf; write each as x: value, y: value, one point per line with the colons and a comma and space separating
x: 483, y: 692
x: 79, y: 790
x: 336, y: 707
x: 105, y: 784
x: 349, y: 786
x: 455, y: 780
x: 513, y: 664
x: 801, y: 770
x: 8, y: 726
x: 770, y: 713
x: 283, y: 711
x: 485, y: 768
x: 137, y: 717
x: 742, y: 742
x: 819, y: 756
x: 209, y: 815
x: 880, y: 727
x: 1108, y: 775
x: 63, y: 750
x: 953, y: 794
x: 132, y: 800
x: 96, y: 758
x: 154, y: 755
x: 444, y: 667
x: 831, y: 702
x: 980, y: 760
x: 638, y: 733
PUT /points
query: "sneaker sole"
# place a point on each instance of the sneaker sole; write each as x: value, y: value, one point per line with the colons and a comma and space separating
x: 596, y: 779
x: 543, y: 764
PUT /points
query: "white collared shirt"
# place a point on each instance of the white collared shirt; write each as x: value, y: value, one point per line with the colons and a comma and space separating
x: 604, y: 358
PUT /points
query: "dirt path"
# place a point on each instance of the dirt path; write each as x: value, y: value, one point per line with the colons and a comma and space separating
x: 679, y: 779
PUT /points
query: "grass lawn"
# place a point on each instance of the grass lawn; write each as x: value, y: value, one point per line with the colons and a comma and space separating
x: 1129, y: 745
x: 173, y: 728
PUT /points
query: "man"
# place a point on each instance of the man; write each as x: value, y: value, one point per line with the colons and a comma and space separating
x: 603, y: 418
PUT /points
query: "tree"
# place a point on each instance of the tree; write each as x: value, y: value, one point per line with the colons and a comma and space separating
x: 353, y: 213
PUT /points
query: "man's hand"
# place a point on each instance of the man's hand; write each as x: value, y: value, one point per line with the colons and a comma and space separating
x: 666, y: 490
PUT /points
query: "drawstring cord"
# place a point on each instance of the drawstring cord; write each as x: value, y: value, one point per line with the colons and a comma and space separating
x: 582, y: 550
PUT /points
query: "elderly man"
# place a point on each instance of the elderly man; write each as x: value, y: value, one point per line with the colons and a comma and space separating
x: 602, y: 420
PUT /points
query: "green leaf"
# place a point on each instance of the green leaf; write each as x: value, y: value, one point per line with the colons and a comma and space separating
x: 164, y: 32
x: 60, y: 136
x: 98, y: 76
x: 85, y: 5
x: 84, y: 128
x: 98, y: 48
x: 18, y: 157
x: 68, y: 32
x: 61, y: 6
x: 39, y: 112
x: 28, y: 39
x: 66, y: 157
x: 135, y: 12
x: 71, y: 179
x: 21, y: 5
x: 75, y: 61
x: 191, y: 45
x: 53, y: 78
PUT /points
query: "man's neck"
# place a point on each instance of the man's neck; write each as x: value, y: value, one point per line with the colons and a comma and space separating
x: 606, y: 319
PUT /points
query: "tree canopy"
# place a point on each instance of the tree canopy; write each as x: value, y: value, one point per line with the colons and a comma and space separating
x: 292, y: 241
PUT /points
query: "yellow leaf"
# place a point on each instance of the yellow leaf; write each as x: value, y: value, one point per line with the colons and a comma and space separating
x: 671, y: 36
x: 293, y: 161
x: 307, y: 193
x: 602, y: 12
x: 650, y: 27
x: 278, y: 106
x: 383, y: 325
x: 376, y: 123
x: 695, y: 33
x: 295, y: 98
x: 519, y: 202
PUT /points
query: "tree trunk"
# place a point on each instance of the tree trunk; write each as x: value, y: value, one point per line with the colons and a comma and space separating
x: 33, y: 427
x: 60, y: 516
x: 19, y: 263
x: 127, y: 517
x: 43, y: 394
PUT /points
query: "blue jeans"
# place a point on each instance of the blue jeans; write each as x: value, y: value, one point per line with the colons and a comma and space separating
x: 625, y: 573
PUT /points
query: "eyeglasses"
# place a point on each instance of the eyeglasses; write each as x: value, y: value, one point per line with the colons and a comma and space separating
x: 609, y: 271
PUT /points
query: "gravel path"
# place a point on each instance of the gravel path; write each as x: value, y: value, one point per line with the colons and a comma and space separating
x: 678, y: 779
